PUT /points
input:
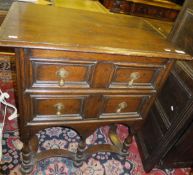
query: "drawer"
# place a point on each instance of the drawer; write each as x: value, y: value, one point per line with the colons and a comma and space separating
x: 60, y: 73
x: 135, y: 76
x: 74, y: 70
x: 56, y: 107
x: 124, y: 106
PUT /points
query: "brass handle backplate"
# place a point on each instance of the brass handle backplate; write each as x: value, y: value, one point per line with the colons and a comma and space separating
x: 133, y: 76
x: 121, y: 106
x: 62, y: 74
x: 59, y: 107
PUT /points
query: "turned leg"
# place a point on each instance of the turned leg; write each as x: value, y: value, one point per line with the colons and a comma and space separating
x: 27, y: 159
x: 79, y: 158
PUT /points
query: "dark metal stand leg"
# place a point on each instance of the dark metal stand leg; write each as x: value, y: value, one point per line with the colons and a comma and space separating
x: 27, y: 159
x: 80, y: 154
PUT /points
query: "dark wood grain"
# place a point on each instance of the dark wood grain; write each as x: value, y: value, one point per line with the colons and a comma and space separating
x: 182, y: 27
x: 170, y: 145
x: 169, y: 118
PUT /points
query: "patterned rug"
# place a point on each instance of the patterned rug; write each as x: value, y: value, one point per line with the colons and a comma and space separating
x: 102, y: 163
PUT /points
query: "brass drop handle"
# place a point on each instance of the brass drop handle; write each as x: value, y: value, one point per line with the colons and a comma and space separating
x: 121, y: 106
x: 59, y: 107
x: 62, y: 74
x: 133, y: 76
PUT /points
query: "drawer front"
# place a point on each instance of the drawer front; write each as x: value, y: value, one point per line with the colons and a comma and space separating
x: 82, y: 75
x: 46, y: 108
x: 135, y: 76
x: 61, y: 74
x: 56, y: 69
x: 123, y: 106
x: 57, y: 107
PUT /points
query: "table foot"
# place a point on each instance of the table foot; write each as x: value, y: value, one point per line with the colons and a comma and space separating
x: 27, y: 160
x: 79, y: 158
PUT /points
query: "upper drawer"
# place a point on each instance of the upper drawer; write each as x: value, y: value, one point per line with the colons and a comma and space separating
x: 61, y: 74
x: 136, y: 75
x: 80, y: 70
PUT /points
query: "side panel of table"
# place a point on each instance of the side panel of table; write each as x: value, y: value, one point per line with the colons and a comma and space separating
x: 169, y: 122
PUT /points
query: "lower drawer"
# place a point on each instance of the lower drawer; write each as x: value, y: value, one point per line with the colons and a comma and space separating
x: 86, y: 107
x: 57, y: 107
x: 123, y: 106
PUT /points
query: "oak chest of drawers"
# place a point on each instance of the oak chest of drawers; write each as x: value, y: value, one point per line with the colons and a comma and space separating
x: 83, y: 70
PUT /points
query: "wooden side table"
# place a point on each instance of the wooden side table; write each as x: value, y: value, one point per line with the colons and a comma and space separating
x: 83, y: 70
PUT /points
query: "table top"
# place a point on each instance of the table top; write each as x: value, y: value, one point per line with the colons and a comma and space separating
x: 163, y: 27
x: 37, y: 26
